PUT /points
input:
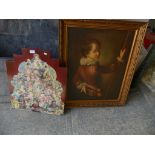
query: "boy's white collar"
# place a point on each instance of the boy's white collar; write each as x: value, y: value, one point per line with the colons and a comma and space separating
x: 88, y: 61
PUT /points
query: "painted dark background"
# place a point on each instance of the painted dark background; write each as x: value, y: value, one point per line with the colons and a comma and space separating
x: 111, y: 43
x: 16, y: 34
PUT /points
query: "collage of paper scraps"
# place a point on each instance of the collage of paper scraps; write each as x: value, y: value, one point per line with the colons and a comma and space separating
x: 36, y: 87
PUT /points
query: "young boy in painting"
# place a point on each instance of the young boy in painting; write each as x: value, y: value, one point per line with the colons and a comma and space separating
x: 88, y: 74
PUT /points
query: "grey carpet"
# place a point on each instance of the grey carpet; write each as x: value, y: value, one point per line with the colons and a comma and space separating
x: 136, y: 117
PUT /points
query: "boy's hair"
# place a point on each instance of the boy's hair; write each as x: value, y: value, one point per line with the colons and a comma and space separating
x: 88, y: 45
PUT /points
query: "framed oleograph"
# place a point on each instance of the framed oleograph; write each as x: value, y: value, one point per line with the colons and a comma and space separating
x: 101, y: 57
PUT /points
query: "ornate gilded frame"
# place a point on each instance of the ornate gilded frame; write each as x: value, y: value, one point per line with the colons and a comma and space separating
x: 139, y: 29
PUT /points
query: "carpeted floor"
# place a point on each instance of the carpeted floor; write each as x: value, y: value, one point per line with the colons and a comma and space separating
x: 136, y: 117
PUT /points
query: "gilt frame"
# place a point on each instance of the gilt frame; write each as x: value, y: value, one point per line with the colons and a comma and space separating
x: 139, y: 29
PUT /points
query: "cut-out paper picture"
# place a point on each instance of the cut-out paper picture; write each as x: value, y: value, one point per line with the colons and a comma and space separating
x: 37, y: 88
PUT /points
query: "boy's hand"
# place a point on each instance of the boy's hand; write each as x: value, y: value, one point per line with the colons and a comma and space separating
x: 121, y: 55
x: 89, y: 89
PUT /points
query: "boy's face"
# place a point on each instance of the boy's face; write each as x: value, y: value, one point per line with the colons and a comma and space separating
x: 93, y: 53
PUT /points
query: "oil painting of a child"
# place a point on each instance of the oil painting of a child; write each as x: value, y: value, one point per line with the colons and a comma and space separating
x: 87, y: 76
x: 97, y: 60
